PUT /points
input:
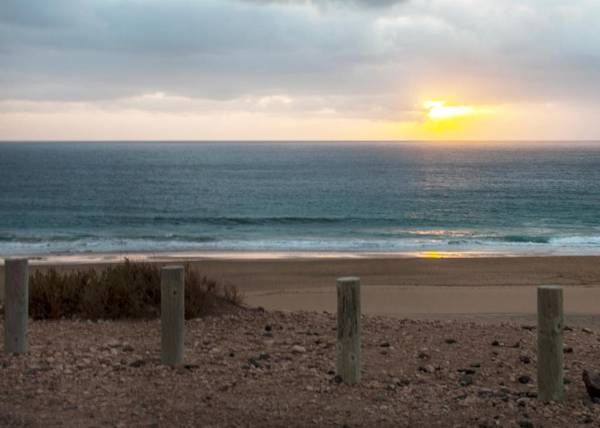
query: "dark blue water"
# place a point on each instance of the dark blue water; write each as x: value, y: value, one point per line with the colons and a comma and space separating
x: 78, y: 197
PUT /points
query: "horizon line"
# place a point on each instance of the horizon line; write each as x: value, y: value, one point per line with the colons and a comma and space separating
x: 119, y: 140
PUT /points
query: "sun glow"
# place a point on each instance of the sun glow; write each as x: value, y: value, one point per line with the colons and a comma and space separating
x: 438, y: 110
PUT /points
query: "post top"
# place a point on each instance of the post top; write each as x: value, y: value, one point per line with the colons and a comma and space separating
x: 348, y: 279
x: 15, y: 259
x: 172, y: 267
x: 549, y: 287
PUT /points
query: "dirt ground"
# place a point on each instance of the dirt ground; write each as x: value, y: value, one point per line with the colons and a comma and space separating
x: 264, y: 369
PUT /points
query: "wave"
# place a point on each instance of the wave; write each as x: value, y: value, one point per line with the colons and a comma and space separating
x: 526, y: 239
x: 28, y: 239
x: 261, y: 221
x: 510, y: 242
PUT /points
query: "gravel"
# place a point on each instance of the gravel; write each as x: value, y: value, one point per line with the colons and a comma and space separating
x: 81, y: 373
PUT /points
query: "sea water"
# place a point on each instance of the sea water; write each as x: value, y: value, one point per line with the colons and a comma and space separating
x: 510, y: 198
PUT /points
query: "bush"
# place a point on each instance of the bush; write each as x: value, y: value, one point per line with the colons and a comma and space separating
x: 128, y: 290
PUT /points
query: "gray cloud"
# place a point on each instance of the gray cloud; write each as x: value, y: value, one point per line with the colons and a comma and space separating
x: 370, y: 57
x: 332, y: 3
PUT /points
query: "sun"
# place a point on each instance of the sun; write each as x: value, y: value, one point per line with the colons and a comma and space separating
x: 438, y: 110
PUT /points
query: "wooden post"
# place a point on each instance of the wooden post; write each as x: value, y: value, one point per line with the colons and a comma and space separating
x: 172, y: 314
x: 550, y: 343
x: 16, y: 305
x: 348, y: 329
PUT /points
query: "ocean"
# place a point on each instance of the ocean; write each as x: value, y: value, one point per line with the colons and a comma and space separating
x: 461, y: 198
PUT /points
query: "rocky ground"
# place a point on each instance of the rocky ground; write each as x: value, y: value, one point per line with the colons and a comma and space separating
x: 262, y: 369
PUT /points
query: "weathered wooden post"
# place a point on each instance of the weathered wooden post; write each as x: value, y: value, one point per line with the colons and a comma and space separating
x: 348, y: 329
x: 172, y: 314
x: 550, y: 343
x: 16, y: 305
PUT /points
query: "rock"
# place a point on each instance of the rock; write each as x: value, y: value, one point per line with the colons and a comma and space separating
x: 297, y: 349
x: 587, y: 330
x: 137, y: 363
x: 254, y: 363
x: 113, y: 343
x: 525, y: 423
x: 466, y: 380
x: 524, y: 379
x: 522, y: 402
x: 525, y: 359
x: 591, y: 380
x: 423, y: 355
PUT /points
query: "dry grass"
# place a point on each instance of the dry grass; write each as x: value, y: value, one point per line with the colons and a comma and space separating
x: 128, y: 290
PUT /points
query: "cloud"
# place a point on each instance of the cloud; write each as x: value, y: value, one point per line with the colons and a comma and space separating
x: 332, y: 3
x: 355, y: 59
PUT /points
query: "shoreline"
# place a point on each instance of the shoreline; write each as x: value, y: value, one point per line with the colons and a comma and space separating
x: 392, y: 285
x: 193, y: 256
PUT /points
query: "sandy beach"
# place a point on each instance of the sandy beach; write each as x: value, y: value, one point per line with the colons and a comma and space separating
x: 446, y: 341
x: 487, y: 288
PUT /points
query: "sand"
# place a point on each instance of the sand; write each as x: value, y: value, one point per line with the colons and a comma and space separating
x: 488, y: 288
x: 269, y: 368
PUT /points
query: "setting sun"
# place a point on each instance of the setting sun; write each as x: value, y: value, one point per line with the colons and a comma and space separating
x: 438, y: 110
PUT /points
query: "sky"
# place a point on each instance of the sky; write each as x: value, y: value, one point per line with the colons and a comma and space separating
x: 300, y: 70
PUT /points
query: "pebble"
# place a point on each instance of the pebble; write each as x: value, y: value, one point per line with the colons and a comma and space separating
x: 524, y: 379
x: 297, y: 349
x: 466, y: 380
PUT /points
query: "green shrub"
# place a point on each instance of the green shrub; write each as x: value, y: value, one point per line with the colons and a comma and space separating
x: 128, y: 290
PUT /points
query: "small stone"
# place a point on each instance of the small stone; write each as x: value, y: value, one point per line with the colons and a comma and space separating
x: 450, y: 341
x: 496, y: 343
x: 384, y: 344
x: 137, y: 363
x: 297, y: 349
x: 254, y: 363
x: 522, y: 402
x: 524, y: 379
x: 525, y: 423
x: 337, y: 379
x: 591, y: 380
x: 466, y: 371
x: 587, y: 330
x: 525, y: 359
x: 466, y: 380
